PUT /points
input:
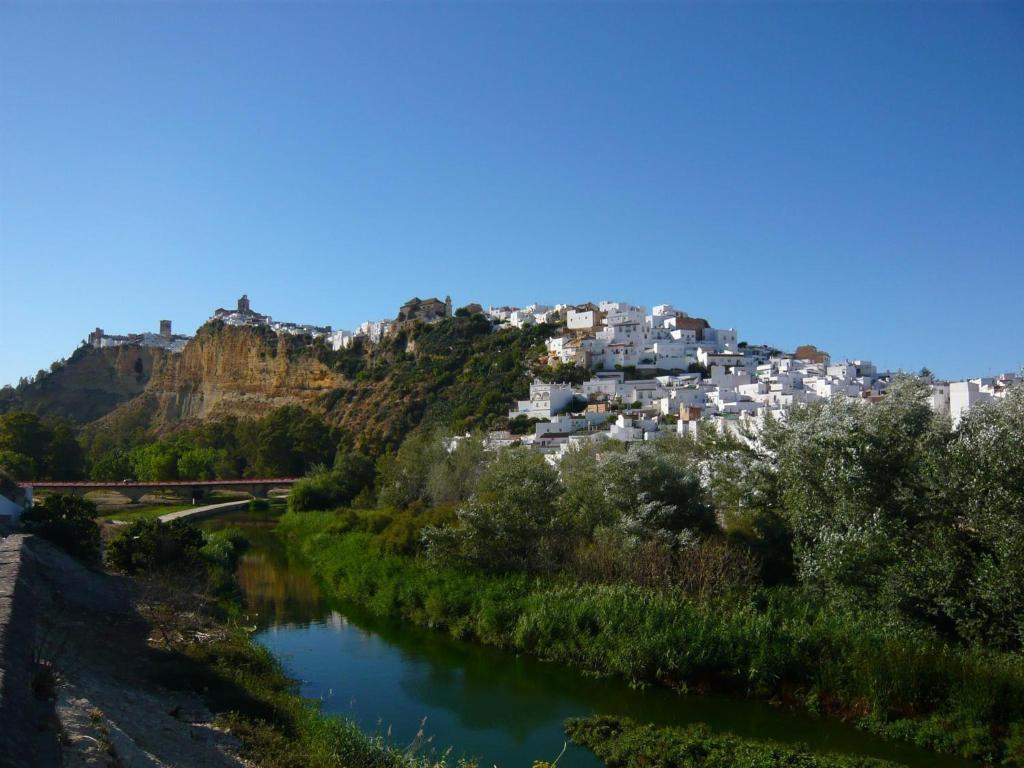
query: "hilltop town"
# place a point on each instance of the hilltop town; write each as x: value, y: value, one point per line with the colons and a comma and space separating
x: 623, y: 373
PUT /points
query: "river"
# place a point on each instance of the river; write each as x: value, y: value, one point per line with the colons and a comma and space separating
x: 505, y: 709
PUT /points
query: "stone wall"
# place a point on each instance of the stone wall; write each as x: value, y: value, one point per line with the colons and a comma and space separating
x: 17, y: 641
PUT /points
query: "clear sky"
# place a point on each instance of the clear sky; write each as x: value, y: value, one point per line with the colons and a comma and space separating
x: 849, y: 175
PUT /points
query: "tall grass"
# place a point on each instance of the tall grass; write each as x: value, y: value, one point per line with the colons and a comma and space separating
x: 621, y: 743
x: 777, y: 644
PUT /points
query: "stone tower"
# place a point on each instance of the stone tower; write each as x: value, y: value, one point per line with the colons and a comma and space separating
x: 243, y: 303
x: 165, y: 328
x: 447, y: 306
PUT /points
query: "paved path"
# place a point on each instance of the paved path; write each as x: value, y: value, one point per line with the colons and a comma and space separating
x: 198, y: 513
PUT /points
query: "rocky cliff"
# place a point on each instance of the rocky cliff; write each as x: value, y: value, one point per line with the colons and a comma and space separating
x: 457, y: 372
x: 243, y: 372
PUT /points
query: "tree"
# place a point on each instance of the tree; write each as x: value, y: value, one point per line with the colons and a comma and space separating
x: 148, y: 545
x: 455, y: 472
x: 35, y: 450
x: 511, y: 522
x: 857, y: 483
x: 983, y: 489
x: 25, y: 436
x: 68, y: 522
x: 158, y: 461
x: 649, y: 491
x: 338, y: 487
x: 290, y: 441
x: 403, y: 478
x: 116, y: 465
x: 199, y: 463
x: 65, y: 460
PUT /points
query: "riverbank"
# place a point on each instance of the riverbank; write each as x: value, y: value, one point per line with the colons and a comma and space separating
x: 154, y: 671
x: 771, y: 645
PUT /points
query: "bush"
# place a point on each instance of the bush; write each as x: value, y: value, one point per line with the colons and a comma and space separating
x: 67, y: 521
x: 622, y: 743
x: 150, y: 545
x: 338, y: 487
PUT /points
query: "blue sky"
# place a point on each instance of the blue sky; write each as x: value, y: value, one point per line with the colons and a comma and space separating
x: 841, y: 174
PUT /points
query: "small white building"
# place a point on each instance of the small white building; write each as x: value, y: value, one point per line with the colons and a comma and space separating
x: 12, y: 504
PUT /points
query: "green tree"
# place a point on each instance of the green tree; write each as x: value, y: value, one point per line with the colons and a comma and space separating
x: 116, y: 465
x: 158, y: 461
x: 67, y: 521
x: 511, y: 522
x: 148, y: 545
x: 856, y: 484
x: 36, y: 450
x: 199, y: 463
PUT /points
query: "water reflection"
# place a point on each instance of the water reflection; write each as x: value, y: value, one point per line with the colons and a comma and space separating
x: 504, y: 708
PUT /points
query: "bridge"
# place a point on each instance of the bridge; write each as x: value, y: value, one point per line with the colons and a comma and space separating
x: 257, y: 487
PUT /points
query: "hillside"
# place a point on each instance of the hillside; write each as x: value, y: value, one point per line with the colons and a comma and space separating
x: 88, y: 385
x: 457, y: 372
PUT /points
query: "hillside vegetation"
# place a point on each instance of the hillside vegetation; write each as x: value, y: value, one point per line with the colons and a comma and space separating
x: 234, y: 390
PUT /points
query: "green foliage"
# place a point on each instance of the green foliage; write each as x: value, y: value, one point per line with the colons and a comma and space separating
x: 455, y: 374
x: 337, y: 487
x: 781, y: 643
x: 116, y: 465
x: 289, y: 441
x: 67, y: 521
x: 511, y: 522
x: 34, y: 449
x: 651, y: 492
x: 199, y: 463
x: 622, y: 743
x: 983, y: 483
x: 150, y: 545
x: 158, y: 461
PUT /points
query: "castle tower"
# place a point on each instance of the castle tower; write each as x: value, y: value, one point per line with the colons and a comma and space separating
x: 165, y: 328
x: 447, y: 306
x: 243, y: 303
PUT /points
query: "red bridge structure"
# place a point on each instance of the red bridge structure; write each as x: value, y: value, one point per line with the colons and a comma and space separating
x: 257, y: 487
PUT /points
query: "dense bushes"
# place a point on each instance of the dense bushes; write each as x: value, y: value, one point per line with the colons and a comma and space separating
x: 621, y: 743
x: 178, y: 553
x: 886, y: 506
x: 352, y: 473
x: 151, y: 545
x: 67, y: 521
x: 35, y: 449
x: 288, y: 442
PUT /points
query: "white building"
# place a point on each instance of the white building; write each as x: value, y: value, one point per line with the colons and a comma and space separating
x: 546, y: 400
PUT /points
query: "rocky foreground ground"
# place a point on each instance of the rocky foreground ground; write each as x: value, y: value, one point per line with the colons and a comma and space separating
x: 95, y: 641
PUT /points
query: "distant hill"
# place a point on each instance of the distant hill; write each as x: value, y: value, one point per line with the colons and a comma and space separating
x: 456, y: 371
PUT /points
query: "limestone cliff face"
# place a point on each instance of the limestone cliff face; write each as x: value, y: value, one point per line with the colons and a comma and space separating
x: 245, y: 372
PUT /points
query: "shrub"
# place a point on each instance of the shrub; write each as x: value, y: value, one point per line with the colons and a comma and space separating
x: 622, y: 743
x: 352, y: 473
x: 150, y: 545
x: 67, y: 521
